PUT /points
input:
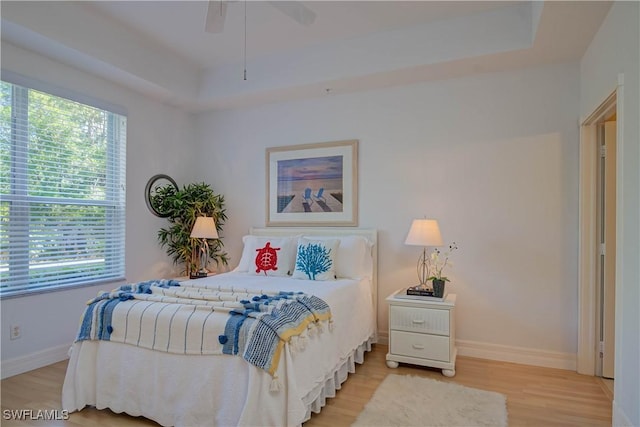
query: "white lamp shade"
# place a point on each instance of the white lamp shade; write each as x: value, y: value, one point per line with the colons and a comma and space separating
x: 424, y: 232
x: 204, y: 228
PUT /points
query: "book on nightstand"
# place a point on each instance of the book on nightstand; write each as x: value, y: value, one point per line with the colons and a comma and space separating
x: 419, y: 293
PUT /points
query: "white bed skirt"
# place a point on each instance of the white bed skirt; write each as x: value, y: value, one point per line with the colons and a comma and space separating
x: 101, y: 374
x: 317, y: 398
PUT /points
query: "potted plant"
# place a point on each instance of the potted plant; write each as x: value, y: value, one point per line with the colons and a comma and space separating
x: 437, y: 262
x: 181, y: 207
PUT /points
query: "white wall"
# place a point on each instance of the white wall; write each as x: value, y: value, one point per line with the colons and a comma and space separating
x: 494, y: 158
x: 157, y: 142
x: 616, y: 50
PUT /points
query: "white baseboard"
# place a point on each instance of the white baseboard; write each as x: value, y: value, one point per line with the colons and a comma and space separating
x: 523, y: 355
x: 383, y: 338
x: 619, y: 418
x: 35, y: 360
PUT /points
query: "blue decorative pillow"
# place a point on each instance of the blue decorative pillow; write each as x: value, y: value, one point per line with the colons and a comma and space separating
x: 316, y: 259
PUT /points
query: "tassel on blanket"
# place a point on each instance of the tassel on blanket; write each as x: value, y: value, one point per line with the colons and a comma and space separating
x: 294, y: 344
x: 331, y: 325
x: 302, y: 341
x: 275, y: 384
x: 311, y: 329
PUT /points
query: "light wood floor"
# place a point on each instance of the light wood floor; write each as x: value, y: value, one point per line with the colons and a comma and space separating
x: 535, y: 396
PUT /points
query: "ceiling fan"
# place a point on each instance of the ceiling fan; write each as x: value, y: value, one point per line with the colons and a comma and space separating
x: 217, y: 12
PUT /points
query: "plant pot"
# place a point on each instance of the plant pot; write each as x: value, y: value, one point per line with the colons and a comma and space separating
x: 438, y: 288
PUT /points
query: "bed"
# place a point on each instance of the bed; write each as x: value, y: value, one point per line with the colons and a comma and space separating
x: 215, y: 386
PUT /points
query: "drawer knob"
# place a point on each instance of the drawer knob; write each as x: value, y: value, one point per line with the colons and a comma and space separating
x: 418, y: 346
x: 418, y: 321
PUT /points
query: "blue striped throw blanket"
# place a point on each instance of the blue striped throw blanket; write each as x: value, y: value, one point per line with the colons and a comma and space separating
x: 175, y: 317
x: 260, y: 330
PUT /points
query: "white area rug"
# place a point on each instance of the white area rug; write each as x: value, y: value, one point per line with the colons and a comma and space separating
x: 404, y: 400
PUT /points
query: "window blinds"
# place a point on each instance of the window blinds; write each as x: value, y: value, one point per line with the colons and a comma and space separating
x: 62, y: 192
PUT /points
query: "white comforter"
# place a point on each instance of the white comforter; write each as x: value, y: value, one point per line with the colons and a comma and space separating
x: 194, y: 390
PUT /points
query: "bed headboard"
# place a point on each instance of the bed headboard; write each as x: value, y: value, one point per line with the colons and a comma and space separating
x: 369, y: 233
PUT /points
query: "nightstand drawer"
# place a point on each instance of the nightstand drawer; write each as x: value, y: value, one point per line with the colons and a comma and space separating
x: 422, y: 346
x: 412, y: 319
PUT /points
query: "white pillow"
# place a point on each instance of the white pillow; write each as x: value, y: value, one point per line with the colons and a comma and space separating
x: 354, y: 259
x: 316, y: 259
x: 260, y: 252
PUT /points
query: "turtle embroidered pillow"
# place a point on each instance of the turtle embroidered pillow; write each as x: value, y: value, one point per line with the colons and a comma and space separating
x: 316, y: 259
x: 268, y: 256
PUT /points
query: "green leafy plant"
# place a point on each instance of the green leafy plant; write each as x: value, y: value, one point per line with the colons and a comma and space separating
x: 182, y: 208
x: 438, y: 261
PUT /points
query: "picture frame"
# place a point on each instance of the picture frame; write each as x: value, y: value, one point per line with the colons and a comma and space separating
x: 312, y: 184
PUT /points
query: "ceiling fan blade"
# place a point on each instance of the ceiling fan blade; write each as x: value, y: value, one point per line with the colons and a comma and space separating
x: 296, y: 10
x: 216, y: 14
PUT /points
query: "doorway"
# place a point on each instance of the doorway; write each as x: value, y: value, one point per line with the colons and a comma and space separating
x: 606, y: 258
x: 597, y: 245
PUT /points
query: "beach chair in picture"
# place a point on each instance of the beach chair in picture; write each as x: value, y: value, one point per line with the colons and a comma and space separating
x: 306, y: 198
x: 319, y: 195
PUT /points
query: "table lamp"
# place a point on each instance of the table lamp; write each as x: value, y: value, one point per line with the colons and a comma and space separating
x: 424, y: 232
x: 204, y: 228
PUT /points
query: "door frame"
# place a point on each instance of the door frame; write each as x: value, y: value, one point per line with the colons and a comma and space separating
x: 588, y: 246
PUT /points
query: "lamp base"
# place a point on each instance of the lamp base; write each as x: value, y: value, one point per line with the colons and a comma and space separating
x: 423, y: 269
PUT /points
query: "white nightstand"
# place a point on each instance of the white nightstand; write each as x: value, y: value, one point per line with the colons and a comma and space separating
x: 422, y: 332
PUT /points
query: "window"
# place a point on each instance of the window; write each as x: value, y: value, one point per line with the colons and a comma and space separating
x: 62, y: 192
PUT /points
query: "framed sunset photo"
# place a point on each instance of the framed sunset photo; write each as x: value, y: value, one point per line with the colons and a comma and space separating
x: 313, y: 184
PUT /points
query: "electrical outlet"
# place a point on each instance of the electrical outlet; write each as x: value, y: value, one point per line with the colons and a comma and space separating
x: 16, y: 332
